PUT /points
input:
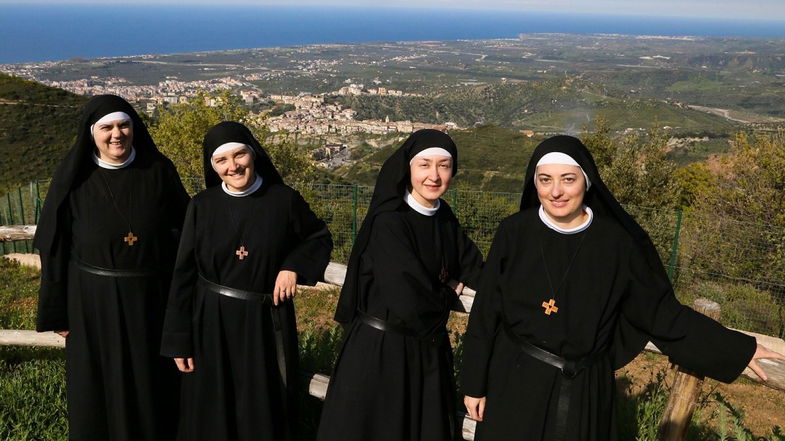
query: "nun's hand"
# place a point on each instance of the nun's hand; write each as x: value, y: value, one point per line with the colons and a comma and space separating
x: 475, y: 407
x: 763, y: 352
x: 185, y: 364
x: 285, y: 286
x: 456, y: 285
x: 63, y: 334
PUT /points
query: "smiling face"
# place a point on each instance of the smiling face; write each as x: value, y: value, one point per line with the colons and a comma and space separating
x: 561, y: 189
x: 235, y: 167
x: 430, y: 178
x: 114, y: 139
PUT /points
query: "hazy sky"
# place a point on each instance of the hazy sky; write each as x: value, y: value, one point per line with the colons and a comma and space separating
x: 754, y: 9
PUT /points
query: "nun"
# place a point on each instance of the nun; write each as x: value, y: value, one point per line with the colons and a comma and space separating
x: 107, y: 237
x: 572, y: 290
x: 393, y: 379
x: 247, y: 240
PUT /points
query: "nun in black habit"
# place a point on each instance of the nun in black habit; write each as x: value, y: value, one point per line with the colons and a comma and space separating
x: 572, y: 290
x: 393, y: 378
x: 108, y: 239
x: 230, y: 324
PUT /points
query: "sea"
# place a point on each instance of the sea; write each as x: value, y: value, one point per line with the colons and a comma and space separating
x: 50, y: 32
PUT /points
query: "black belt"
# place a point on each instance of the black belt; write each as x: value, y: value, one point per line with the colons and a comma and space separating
x: 569, y: 369
x: 385, y: 326
x: 111, y: 272
x: 264, y: 298
x: 234, y: 292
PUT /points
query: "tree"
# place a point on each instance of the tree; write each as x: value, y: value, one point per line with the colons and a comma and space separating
x: 638, y: 172
x: 634, y: 167
x: 745, y: 211
x: 734, y: 236
x: 693, y: 179
x: 180, y: 129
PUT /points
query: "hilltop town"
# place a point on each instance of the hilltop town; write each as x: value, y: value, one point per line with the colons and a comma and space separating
x: 307, y: 114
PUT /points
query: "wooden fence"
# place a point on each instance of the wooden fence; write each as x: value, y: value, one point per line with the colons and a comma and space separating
x: 678, y: 412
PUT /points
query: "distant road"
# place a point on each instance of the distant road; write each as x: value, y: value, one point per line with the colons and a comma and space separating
x: 725, y: 113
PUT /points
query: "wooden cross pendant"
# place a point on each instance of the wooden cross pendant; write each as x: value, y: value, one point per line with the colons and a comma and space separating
x: 550, y: 307
x: 241, y: 253
x: 130, y: 239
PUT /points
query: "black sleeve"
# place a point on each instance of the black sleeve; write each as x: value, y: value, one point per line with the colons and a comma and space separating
x: 311, y: 254
x: 484, y: 320
x: 53, y: 293
x: 178, y: 198
x: 470, y: 259
x: 177, y: 338
x: 689, y: 338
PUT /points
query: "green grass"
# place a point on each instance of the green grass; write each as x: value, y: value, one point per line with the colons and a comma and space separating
x: 18, y: 294
x: 32, y: 394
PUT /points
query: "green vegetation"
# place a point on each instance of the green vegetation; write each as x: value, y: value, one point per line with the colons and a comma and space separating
x: 18, y: 293
x: 732, y: 248
x: 556, y: 105
x: 37, y: 126
x: 32, y: 394
x: 639, y: 414
x: 180, y: 129
x: 490, y: 158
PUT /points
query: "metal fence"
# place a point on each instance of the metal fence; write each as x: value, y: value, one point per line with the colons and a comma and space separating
x: 739, y: 265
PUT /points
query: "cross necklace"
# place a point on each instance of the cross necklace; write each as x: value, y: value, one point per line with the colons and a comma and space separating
x: 130, y: 238
x: 241, y: 252
x: 550, y: 305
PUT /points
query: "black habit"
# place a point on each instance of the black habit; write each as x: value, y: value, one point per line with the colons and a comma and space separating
x: 244, y: 350
x: 118, y: 387
x: 397, y: 384
x: 612, y: 295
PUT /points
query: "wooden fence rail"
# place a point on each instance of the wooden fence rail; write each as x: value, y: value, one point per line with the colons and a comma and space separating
x: 10, y: 233
x: 678, y: 409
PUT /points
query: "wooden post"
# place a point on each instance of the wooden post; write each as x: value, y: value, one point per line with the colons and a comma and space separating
x: 686, y: 389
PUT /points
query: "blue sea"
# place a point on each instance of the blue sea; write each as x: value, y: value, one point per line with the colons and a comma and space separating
x: 38, y: 32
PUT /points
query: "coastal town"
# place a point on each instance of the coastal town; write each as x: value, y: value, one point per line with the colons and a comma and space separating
x: 306, y: 114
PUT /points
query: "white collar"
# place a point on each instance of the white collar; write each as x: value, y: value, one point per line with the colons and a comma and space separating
x: 420, y: 208
x: 257, y: 183
x: 550, y: 224
x: 111, y: 166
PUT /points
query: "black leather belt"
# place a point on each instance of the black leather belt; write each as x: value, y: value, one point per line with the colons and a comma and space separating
x: 234, y: 292
x: 569, y: 369
x: 385, y: 326
x: 264, y: 298
x: 111, y: 272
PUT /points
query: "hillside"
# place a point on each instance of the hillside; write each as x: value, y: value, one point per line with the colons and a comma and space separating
x: 37, y: 126
x: 559, y: 105
x: 491, y: 158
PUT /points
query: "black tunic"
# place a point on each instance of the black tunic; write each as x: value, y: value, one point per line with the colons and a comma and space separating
x: 609, y: 278
x: 387, y: 386
x: 236, y: 391
x: 118, y: 387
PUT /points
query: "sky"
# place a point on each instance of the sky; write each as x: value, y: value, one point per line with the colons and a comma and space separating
x: 773, y: 10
